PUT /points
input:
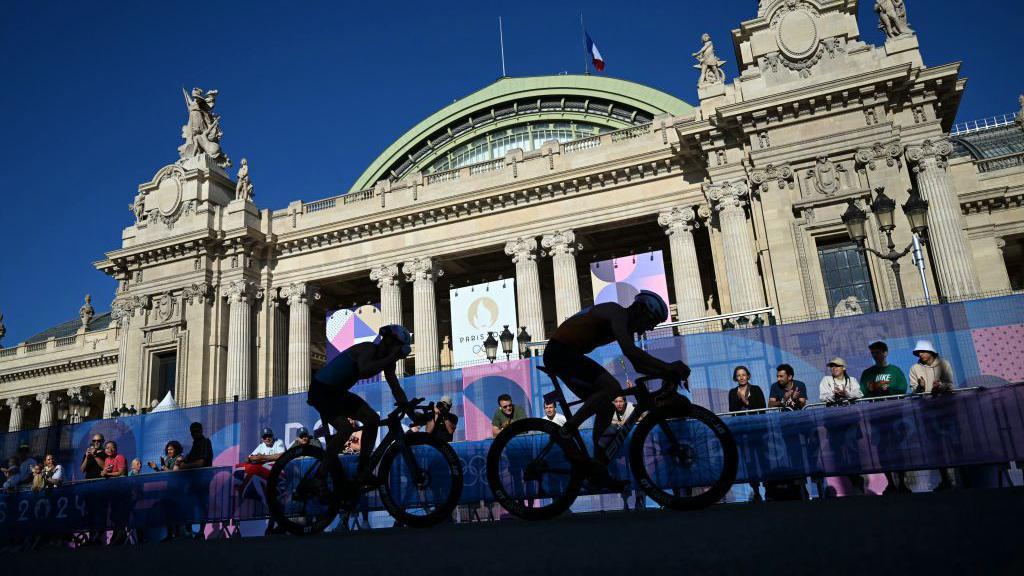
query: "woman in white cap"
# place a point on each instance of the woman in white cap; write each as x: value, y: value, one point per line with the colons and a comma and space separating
x: 931, y: 373
x: 838, y: 386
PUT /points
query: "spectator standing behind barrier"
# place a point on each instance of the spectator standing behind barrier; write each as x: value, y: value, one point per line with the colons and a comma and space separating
x: 136, y: 467
x: 172, y: 456
x: 551, y: 415
x: 506, y: 414
x: 930, y: 374
x: 114, y: 466
x: 354, y: 444
x: 787, y: 393
x: 746, y: 396
x: 623, y: 410
x: 304, y: 438
x: 442, y: 426
x: 268, y: 450
x: 882, y: 379
x: 92, y: 461
x: 25, y: 466
x: 934, y: 375
x: 53, y: 473
x: 11, y: 476
x: 201, y: 454
x: 838, y: 386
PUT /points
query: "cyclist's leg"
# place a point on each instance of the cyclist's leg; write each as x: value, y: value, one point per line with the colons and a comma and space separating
x: 362, y: 412
x: 598, y: 395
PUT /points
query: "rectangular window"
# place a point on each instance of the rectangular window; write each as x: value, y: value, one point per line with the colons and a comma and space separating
x: 165, y: 368
x: 1013, y: 257
x: 846, y: 274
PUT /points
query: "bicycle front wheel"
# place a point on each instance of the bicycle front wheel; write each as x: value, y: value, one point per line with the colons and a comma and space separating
x: 300, y: 491
x: 421, y: 482
x: 529, y: 470
x: 683, y: 458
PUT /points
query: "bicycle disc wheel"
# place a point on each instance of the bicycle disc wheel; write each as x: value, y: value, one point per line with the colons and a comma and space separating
x: 683, y: 458
x: 421, y: 484
x: 300, y: 495
x: 529, y: 470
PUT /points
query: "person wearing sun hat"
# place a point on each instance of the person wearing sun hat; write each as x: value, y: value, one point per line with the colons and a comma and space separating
x: 838, y: 385
x: 930, y: 374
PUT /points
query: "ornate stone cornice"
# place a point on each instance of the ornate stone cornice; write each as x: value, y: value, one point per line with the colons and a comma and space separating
x: 422, y: 269
x: 521, y: 249
x: 727, y: 195
x: 782, y: 175
x: 937, y: 150
x: 560, y: 242
x: 241, y: 291
x: 386, y: 275
x: 678, y: 219
x: 299, y: 293
x: 128, y: 306
x: 60, y: 368
x: 888, y: 152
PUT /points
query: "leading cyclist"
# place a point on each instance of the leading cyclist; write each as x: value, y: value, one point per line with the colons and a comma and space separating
x: 329, y: 393
x: 565, y: 356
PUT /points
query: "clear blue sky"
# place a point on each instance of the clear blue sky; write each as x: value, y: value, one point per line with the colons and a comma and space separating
x: 312, y: 92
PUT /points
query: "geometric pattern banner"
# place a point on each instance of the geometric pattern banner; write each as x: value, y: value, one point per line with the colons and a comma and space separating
x: 349, y: 326
x: 621, y: 279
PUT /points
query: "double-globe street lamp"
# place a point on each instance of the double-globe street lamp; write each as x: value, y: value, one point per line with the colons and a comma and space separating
x: 916, y: 210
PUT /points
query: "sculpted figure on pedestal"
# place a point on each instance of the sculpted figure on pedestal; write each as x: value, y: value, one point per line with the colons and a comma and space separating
x: 892, y: 16
x: 202, y: 133
x: 849, y: 306
x: 708, y: 63
x: 86, y: 312
x: 243, y: 186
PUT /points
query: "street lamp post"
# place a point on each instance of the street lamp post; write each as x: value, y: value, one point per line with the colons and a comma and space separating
x: 506, y: 338
x: 491, y: 347
x: 523, y: 339
x: 916, y: 210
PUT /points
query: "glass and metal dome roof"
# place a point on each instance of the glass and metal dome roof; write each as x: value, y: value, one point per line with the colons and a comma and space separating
x: 519, y: 113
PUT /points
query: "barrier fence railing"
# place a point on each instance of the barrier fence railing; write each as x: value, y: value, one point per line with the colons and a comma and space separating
x: 968, y: 428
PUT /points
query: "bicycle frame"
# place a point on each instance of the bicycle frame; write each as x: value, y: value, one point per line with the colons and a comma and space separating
x: 394, y: 436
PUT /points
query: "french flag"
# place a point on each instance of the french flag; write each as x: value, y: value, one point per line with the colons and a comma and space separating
x: 595, y: 54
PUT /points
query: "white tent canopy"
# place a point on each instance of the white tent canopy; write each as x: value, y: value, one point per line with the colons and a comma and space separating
x: 166, y: 404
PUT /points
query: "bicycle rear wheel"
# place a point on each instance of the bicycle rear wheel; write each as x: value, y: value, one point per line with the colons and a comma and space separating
x: 683, y: 458
x: 421, y: 484
x: 301, y: 493
x: 529, y: 470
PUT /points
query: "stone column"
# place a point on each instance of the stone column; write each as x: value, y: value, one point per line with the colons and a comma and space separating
x: 531, y: 312
x: 422, y: 272
x: 298, y: 295
x: 123, y: 318
x: 388, y: 279
x: 109, y: 402
x: 74, y: 394
x: 562, y: 247
x: 45, y: 409
x: 679, y: 224
x: 745, y: 290
x: 954, y: 262
x: 15, y: 422
x: 240, y: 295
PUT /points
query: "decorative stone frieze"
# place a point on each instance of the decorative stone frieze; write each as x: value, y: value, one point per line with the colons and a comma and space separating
x: 889, y: 152
x: 929, y: 153
x: 782, y: 175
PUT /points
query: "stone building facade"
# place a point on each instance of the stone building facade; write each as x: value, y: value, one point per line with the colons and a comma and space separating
x: 530, y: 178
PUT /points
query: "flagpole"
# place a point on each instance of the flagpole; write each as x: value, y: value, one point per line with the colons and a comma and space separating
x: 586, y: 57
x: 501, y: 37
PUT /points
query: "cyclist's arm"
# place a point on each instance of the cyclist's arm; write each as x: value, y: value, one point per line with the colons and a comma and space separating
x: 396, y: 388
x: 642, y: 361
x: 369, y: 366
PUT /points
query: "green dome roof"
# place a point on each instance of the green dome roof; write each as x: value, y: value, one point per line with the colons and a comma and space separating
x: 598, y: 101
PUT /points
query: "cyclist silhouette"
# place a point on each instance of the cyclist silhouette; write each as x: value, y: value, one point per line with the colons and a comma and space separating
x: 565, y: 356
x: 329, y: 393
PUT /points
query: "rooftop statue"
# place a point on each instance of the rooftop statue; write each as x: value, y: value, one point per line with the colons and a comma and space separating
x: 86, y: 312
x: 3, y: 330
x: 892, y: 16
x: 243, y: 186
x: 202, y: 133
x: 708, y: 63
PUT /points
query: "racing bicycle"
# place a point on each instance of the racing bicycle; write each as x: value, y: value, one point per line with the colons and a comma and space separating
x: 681, y: 454
x: 418, y: 478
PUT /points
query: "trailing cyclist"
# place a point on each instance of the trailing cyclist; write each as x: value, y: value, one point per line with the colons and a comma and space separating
x: 329, y: 393
x: 565, y: 356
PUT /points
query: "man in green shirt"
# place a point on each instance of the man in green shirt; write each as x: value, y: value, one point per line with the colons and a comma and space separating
x: 506, y: 414
x: 882, y: 379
